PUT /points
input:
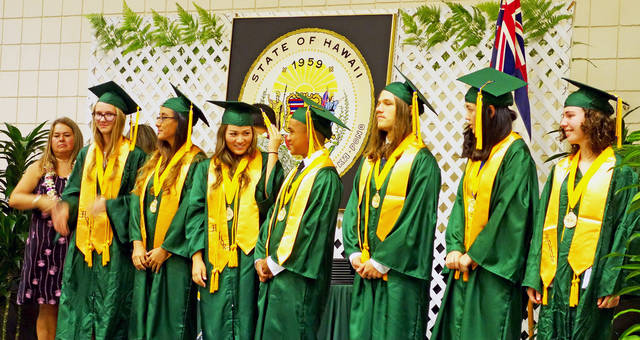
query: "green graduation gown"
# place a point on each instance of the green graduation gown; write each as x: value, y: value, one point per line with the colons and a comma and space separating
x: 586, y: 321
x: 96, y: 300
x: 396, y: 308
x: 290, y: 304
x: 230, y: 312
x: 489, y: 305
x: 164, y: 304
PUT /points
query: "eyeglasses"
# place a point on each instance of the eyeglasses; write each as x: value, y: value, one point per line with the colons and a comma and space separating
x: 109, y: 117
x: 161, y: 119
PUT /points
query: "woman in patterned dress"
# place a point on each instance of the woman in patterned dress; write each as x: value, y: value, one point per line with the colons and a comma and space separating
x: 39, y: 189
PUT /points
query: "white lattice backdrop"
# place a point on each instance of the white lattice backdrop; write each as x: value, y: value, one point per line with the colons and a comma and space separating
x: 200, y: 71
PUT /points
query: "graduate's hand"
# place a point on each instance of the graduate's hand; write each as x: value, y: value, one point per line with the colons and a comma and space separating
x: 275, y: 138
x: 465, y: 263
x: 156, y: 256
x: 198, y: 269
x: 356, y: 264
x: 98, y: 207
x: 534, y: 295
x: 139, y: 256
x: 453, y: 260
x: 59, y: 217
x: 264, y: 273
x: 368, y: 271
x: 608, y: 301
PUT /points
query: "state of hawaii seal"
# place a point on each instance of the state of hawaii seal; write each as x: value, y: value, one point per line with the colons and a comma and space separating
x: 326, y: 67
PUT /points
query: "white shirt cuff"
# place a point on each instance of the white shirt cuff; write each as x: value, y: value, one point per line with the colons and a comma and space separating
x: 353, y: 256
x: 379, y: 267
x: 274, y: 267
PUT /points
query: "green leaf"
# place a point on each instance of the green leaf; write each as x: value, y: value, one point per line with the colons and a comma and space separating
x: 556, y: 156
x: 188, y: 26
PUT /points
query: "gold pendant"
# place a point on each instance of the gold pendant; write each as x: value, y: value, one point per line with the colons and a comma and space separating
x: 375, y: 201
x: 282, y: 214
x: 570, y: 220
x: 153, y: 207
x: 229, y: 214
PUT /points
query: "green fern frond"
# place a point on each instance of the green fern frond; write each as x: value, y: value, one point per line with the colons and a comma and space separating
x: 540, y: 17
x: 106, y: 34
x: 410, y: 25
x: 209, y: 27
x: 165, y: 33
x: 468, y: 28
x: 188, y: 26
x: 135, y: 35
x: 491, y: 9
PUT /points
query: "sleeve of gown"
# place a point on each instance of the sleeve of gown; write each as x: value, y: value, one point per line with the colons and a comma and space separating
x: 134, y: 218
x: 623, y: 222
x: 512, y: 209
x: 266, y: 197
x: 175, y: 241
x: 532, y: 271
x: 118, y: 208
x: 409, y: 246
x: 350, y: 218
x: 454, y: 235
x: 196, y: 209
x: 260, y: 249
x: 314, y: 234
x: 71, y: 192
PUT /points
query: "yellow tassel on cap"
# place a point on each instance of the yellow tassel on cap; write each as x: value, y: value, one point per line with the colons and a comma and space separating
x: 619, y: 122
x: 478, y: 131
x: 415, y: 116
x: 133, y: 132
x: 189, y: 128
x: 575, y: 289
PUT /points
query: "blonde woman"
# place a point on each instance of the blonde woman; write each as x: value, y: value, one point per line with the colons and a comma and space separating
x: 39, y: 190
x: 94, y: 213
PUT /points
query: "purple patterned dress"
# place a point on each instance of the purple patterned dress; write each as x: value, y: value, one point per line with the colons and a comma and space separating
x: 43, y: 258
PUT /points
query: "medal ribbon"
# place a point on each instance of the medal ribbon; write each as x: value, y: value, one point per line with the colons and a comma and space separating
x: 575, y: 192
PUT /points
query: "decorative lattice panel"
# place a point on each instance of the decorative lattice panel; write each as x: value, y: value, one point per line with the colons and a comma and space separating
x: 200, y: 70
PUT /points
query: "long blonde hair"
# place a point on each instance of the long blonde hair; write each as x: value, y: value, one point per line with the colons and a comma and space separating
x: 48, y: 159
x: 377, y: 146
x: 224, y: 156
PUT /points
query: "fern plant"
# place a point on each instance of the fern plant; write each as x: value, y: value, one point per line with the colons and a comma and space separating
x: 133, y: 34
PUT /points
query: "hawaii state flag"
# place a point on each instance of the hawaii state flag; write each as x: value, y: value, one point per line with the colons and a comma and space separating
x: 508, y: 53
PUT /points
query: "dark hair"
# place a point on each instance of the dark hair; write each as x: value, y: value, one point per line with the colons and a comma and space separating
x: 258, y: 121
x: 377, y: 146
x: 599, y: 128
x: 223, y: 155
x: 494, y: 130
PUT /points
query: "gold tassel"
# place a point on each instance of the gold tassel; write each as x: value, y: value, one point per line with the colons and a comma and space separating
x: 213, y: 287
x: 457, y: 275
x: 619, y: 122
x: 105, y: 256
x: 89, y: 257
x: 465, y: 277
x: 364, y: 257
x: 545, y: 298
x: 478, y: 131
x: 189, y: 128
x: 415, y: 116
x: 575, y: 289
x: 233, y: 257
x: 133, y: 131
x: 310, y: 132
x: 385, y: 277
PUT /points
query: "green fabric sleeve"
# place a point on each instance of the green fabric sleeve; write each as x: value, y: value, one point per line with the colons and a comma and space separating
x: 175, y: 241
x: 532, y: 274
x: 266, y: 197
x: 197, y: 209
x: 71, y: 192
x: 118, y: 208
x: 350, y: 217
x: 454, y: 235
x: 408, y: 248
x: 511, y: 212
x: 134, y: 219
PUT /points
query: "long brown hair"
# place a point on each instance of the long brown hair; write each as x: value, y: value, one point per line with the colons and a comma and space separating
x: 494, y: 130
x: 108, y: 146
x: 599, y: 128
x: 48, y: 159
x: 147, y: 139
x: 223, y: 155
x: 165, y: 151
x: 377, y: 146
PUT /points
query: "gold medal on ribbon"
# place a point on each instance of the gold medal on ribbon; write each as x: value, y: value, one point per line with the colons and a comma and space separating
x: 282, y: 214
x: 375, y: 200
x: 570, y: 220
x: 153, y: 207
x: 229, y: 213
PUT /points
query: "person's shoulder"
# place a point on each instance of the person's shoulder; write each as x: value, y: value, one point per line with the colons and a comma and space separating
x: 35, y: 169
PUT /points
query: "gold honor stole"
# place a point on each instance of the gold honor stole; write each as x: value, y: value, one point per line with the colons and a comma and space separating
x: 170, y: 199
x: 298, y: 192
x: 222, y: 246
x: 476, y: 192
x: 94, y: 232
x: 592, y: 193
x: 402, y: 157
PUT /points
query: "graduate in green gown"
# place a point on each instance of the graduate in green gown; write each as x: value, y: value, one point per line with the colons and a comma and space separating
x: 581, y: 219
x: 97, y: 277
x: 235, y: 190
x: 490, y: 226
x: 389, y: 222
x: 164, y: 297
x: 295, y: 247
